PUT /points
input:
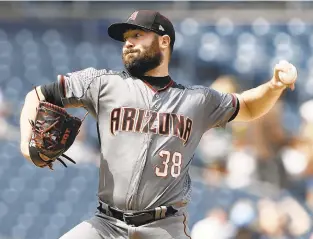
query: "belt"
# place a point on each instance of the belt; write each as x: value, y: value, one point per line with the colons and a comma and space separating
x: 137, y: 218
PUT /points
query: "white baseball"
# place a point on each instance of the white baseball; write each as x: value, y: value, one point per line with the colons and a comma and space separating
x: 288, y: 77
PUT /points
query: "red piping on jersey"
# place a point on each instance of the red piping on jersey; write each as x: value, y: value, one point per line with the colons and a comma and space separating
x: 150, y: 86
x: 185, y: 226
x: 168, y: 85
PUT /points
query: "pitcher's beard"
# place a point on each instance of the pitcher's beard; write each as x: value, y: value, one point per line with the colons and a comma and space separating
x: 147, y: 60
x: 138, y: 67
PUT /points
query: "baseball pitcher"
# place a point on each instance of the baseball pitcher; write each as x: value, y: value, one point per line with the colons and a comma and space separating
x: 149, y: 127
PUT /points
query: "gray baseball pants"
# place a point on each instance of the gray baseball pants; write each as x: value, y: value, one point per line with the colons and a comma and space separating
x: 102, y: 226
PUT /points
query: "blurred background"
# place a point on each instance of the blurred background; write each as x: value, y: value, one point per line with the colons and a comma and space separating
x: 249, y: 181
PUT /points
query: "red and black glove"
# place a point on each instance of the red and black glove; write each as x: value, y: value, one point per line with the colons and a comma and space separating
x: 53, y: 133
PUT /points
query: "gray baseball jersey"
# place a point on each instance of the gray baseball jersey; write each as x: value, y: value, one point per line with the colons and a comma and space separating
x: 148, y: 138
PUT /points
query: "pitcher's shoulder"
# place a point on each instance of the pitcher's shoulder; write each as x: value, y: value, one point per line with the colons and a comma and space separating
x: 91, y: 72
x: 191, y: 89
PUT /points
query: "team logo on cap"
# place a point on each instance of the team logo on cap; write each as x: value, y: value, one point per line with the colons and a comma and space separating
x: 161, y: 28
x: 133, y: 16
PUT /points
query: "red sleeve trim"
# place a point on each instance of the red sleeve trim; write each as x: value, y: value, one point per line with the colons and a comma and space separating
x: 235, y: 104
x: 234, y: 100
x: 62, y: 83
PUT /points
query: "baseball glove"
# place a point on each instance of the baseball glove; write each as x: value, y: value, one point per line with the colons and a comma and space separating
x: 53, y: 133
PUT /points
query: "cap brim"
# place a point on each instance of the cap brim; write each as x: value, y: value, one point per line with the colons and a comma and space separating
x: 117, y: 30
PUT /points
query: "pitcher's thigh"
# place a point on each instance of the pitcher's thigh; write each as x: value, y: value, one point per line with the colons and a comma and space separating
x: 169, y: 228
x: 83, y: 230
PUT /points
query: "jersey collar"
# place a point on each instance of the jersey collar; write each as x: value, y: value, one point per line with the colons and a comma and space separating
x: 158, y: 83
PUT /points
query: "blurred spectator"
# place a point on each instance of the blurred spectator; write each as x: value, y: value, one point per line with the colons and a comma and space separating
x: 226, y: 84
x: 306, y: 113
x: 218, y: 139
x: 7, y: 131
x: 296, y: 157
x: 231, y: 145
x: 268, y: 139
x: 214, y: 173
x: 304, y: 148
x: 246, y: 233
x: 306, y: 132
x: 215, y: 225
x: 271, y: 220
x: 243, y: 213
x: 238, y: 175
x: 299, y: 222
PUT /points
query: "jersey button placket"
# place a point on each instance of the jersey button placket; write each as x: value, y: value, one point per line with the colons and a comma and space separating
x: 157, y: 103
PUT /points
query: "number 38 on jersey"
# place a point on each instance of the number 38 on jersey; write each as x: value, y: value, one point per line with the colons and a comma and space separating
x: 171, y: 164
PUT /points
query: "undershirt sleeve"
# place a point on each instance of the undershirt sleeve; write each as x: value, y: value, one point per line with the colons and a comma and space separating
x: 52, y: 93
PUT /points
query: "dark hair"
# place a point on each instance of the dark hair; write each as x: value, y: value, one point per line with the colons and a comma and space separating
x: 172, y: 48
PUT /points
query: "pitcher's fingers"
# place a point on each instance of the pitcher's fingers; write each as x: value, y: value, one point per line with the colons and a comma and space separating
x: 282, y: 67
x: 283, y: 62
x: 292, y: 87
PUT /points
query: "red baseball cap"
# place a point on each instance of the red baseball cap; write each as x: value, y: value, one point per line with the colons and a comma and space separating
x: 146, y: 20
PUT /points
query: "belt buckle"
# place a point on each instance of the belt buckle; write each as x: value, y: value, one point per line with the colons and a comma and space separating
x: 127, y: 216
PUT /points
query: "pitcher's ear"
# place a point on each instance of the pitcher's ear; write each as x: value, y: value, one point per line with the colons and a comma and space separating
x: 165, y: 41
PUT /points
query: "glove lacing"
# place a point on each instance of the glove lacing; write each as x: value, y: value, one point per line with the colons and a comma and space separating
x: 45, y: 135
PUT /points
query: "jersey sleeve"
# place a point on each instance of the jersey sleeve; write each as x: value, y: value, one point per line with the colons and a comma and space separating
x: 220, y: 108
x: 81, y: 88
